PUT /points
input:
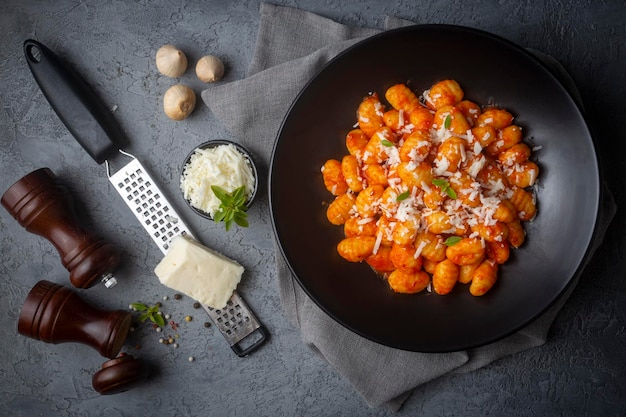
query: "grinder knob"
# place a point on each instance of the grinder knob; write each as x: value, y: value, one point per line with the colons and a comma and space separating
x: 119, y: 375
x: 42, y: 205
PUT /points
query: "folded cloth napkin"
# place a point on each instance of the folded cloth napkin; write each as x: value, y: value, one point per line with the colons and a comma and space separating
x: 292, y: 46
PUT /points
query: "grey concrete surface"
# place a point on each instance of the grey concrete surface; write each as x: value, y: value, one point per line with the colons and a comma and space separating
x: 581, y: 371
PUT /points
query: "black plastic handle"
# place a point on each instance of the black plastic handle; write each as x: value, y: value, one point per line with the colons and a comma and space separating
x: 78, y: 107
x: 260, y: 335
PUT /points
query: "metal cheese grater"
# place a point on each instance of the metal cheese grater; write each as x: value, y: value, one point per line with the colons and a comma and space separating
x: 236, y: 321
x: 95, y: 129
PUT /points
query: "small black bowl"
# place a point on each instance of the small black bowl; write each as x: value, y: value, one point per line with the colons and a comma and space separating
x: 213, y: 144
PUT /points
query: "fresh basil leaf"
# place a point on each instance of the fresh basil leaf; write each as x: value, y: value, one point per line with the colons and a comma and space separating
x: 386, y: 142
x: 240, y: 202
x: 219, y: 215
x: 142, y: 317
x: 447, y: 122
x: 451, y: 193
x: 232, y: 207
x: 158, y: 319
x: 139, y: 306
x: 453, y: 240
x: 239, y: 193
x: 441, y: 183
x: 403, y: 196
x: 241, y: 219
x: 220, y: 193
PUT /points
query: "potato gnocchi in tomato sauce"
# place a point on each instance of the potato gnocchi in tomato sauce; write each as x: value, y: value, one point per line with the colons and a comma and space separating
x: 433, y: 190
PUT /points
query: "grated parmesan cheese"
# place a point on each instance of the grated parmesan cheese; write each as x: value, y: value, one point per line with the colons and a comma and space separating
x: 379, y: 239
x: 223, y: 166
x: 420, y: 248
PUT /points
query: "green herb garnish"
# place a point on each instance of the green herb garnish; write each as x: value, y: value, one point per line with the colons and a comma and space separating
x: 386, y: 142
x: 453, y: 240
x: 447, y: 122
x: 403, y: 196
x: 445, y: 187
x: 232, y: 206
x: 151, y: 313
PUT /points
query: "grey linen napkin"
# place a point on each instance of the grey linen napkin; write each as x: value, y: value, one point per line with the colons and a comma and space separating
x: 292, y: 46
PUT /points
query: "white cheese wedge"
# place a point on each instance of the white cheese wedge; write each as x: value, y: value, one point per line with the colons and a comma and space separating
x: 199, y: 272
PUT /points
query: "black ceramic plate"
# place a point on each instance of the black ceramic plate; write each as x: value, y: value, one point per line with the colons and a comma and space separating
x: 490, y: 70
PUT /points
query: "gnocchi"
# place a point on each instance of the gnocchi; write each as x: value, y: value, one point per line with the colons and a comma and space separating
x: 433, y: 190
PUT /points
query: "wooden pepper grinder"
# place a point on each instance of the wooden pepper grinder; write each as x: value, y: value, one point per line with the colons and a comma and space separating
x: 42, y: 205
x: 55, y: 314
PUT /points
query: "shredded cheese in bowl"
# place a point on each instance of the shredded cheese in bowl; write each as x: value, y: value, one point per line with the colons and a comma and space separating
x: 220, y: 163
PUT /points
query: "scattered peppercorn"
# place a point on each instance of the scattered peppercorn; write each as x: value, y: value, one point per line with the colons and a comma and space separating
x: 158, y: 304
x: 175, y: 345
x: 188, y: 318
x: 177, y: 296
x: 137, y: 347
x: 196, y: 305
x: 207, y: 324
x: 191, y: 358
x: 165, y: 297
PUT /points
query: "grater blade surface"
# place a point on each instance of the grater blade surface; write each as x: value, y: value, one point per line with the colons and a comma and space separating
x: 236, y: 322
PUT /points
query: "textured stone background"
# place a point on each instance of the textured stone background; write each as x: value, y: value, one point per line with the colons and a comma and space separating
x: 579, y: 372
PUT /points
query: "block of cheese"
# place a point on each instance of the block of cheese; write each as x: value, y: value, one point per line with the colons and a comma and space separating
x: 199, y: 272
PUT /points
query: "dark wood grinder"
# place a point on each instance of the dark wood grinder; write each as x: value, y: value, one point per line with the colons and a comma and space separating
x: 55, y: 314
x: 42, y: 205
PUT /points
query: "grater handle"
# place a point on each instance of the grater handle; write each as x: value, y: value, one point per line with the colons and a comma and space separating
x: 261, y: 335
x: 78, y: 107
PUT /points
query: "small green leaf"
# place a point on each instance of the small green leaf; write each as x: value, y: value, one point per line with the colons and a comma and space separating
x: 241, y: 219
x: 219, y: 215
x: 403, y: 196
x: 441, y: 183
x: 445, y: 187
x: 139, y: 306
x: 219, y: 192
x: 451, y: 193
x: 142, y: 317
x: 447, y: 122
x: 453, y: 240
x: 158, y: 319
x: 239, y: 194
x: 232, y: 207
x: 386, y: 142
